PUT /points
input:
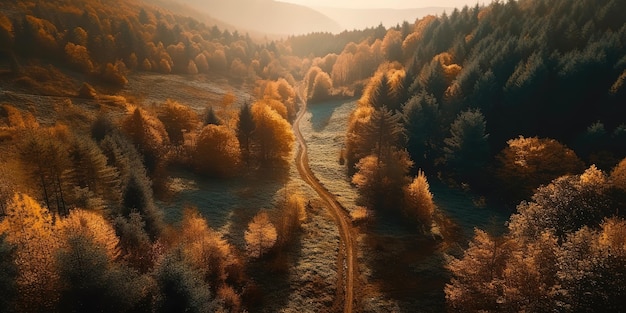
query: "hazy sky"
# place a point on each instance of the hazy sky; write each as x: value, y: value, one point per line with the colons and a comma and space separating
x: 393, y: 4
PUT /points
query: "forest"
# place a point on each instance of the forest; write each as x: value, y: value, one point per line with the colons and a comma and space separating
x: 519, y: 104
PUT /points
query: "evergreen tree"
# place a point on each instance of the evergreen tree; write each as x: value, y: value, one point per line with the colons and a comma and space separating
x: 467, y: 150
x: 245, y: 130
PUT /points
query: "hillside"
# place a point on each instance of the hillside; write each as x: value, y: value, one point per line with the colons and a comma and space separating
x: 267, y: 16
x: 351, y: 19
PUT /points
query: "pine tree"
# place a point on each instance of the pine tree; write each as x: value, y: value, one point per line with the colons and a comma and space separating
x: 245, y: 130
x: 467, y: 149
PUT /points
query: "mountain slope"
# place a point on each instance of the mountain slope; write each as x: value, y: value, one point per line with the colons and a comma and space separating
x: 363, y: 18
x: 267, y: 16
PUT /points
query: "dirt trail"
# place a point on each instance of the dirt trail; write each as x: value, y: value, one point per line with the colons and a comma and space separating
x: 346, y: 257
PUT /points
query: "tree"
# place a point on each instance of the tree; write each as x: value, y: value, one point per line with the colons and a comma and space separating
x: 245, y: 129
x: 91, y: 281
x: 178, y: 119
x: 179, y: 289
x: 211, y: 118
x: 94, y: 227
x: 260, y: 236
x: 206, y: 250
x: 321, y: 89
x: 565, y: 205
x: 418, y: 201
x: 272, y: 134
x: 527, y: 163
x: 216, y: 152
x: 384, y: 132
x: 45, y: 158
x: 420, y: 117
x: 134, y: 243
x: 467, y: 149
x: 380, y: 182
x: 292, y: 215
x: 593, y: 268
x: 29, y: 228
x: 477, y: 278
x: 89, y: 170
x: 149, y: 136
x: 138, y: 196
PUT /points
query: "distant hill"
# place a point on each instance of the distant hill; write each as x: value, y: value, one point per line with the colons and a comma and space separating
x: 350, y: 19
x: 267, y: 16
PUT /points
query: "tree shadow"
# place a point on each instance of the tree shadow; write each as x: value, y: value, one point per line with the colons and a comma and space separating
x: 406, y: 266
x: 322, y: 112
x: 270, y: 282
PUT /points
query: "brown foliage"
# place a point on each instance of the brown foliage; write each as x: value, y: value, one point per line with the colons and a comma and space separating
x: 217, y: 151
x: 178, y: 119
x: 528, y: 163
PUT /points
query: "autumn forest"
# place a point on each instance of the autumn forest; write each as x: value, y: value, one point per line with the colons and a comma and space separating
x: 154, y: 159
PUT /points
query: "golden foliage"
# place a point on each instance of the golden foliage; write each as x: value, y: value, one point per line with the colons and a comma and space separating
x: 272, y: 133
x: 205, y: 249
x: 260, y: 236
x: 29, y: 227
x: 90, y: 225
x: 178, y: 119
x: 419, y: 200
x: 533, y: 161
x: 618, y: 175
x: 78, y: 56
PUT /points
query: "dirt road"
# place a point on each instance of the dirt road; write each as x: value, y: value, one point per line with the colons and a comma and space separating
x: 347, y: 260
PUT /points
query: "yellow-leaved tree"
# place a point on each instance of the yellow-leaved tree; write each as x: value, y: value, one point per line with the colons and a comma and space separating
x: 260, y: 236
x: 418, y: 200
x: 272, y: 134
x: 29, y: 228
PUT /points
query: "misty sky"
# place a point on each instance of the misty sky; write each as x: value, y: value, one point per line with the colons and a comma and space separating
x: 393, y: 4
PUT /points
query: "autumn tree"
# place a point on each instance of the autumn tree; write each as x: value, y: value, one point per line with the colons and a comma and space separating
x: 565, y: 205
x: 149, y: 136
x: 477, y: 278
x: 467, y: 149
x: 30, y: 229
x: 272, y: 134
x: 90, y: 278
x: 527, y: 163
x: 292, y: 215
x: 216, y: 151
x: 260, y: 236
x: 380, y: 181
x: 207, y: 251
x: 321, y: 88
x: 418, y: 201
x: 211, y: 118
x: 593, y: 268
x: 178, y: 119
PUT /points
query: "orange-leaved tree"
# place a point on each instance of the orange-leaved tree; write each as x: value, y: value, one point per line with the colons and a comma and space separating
x: 260, y: 236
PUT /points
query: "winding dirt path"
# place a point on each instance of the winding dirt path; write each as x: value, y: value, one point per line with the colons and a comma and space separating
x: 346, y: 257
